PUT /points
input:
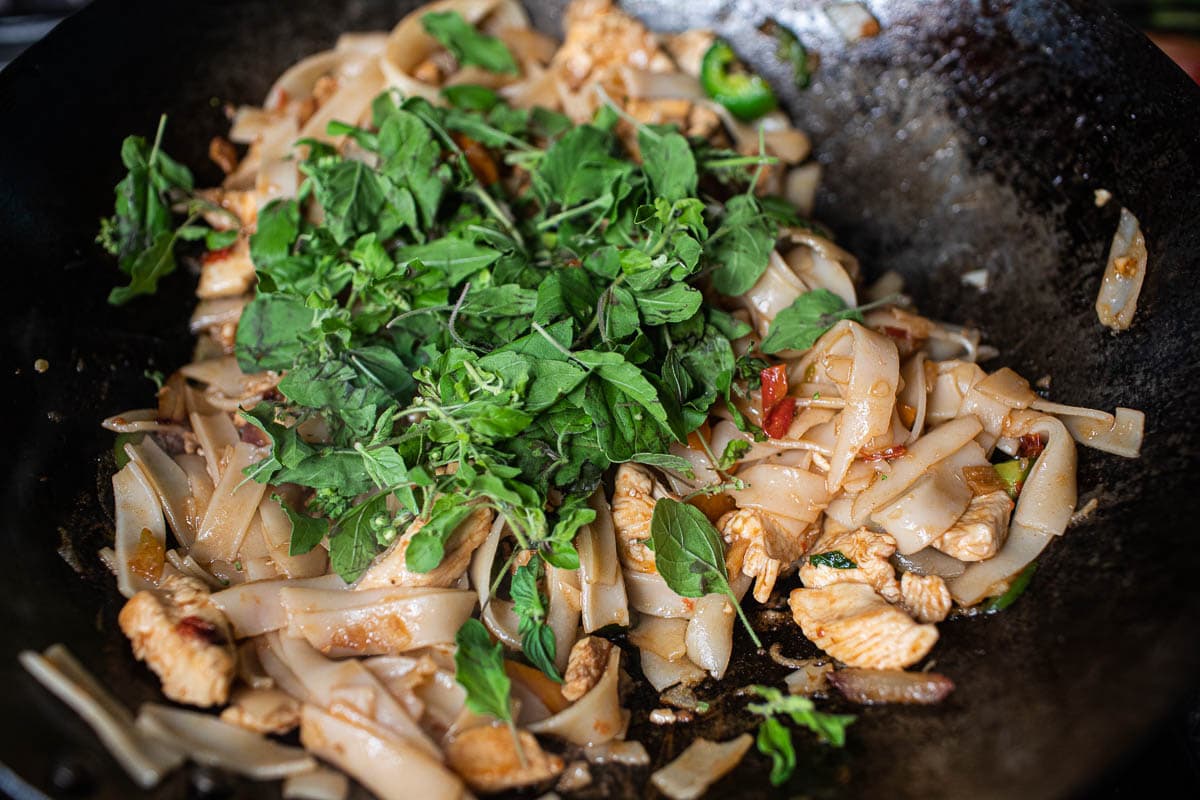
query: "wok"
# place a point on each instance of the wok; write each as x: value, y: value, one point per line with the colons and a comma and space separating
x: 967, y: 135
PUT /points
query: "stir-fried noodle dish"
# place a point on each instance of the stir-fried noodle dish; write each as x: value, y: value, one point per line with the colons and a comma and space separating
x: 522, y: 374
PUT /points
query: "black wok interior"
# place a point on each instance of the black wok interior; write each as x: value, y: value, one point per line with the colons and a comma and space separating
x: 968, y: 135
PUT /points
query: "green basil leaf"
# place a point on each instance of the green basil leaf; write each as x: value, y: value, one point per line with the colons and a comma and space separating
x: 834, y: 558
x: 810, y: 315
x: 467, y: 44
x: 479, y: 669
x: 687, y: 550
x: 775, y: 740
x: 427, y: 547
x: 307, y: 532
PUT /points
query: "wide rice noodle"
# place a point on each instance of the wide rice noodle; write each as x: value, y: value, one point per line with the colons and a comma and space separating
x: 1120, y: 433
x: 324, y: 681
x: 256, y: 607
x: 375, y: 621
x: 710, y: 634
x: 666, y: 638
x: 869, y: 391
x: 496, y: 614
x: 200, y: 486
x: 137, y: 510
x: 776, y: 289
x: 951, y: 382
x: 649, y: 594
x: 602, y: 587
x: 169, y: 482
x: 277, y: 534
x: 216, y: 435
x: 904, y: 471
x: 822, y: 264
x: 663, y: 673
x: 146, y: 761
x: 933, y: 504
x: 565, y: 597
x: 207, y: 740
x: 915, y: 394
x: 1043, y: 510
x: 1023, y: 545
x: 234, y: 503
x: 783, y: 491
x: 1048, y: 497
x: 388, y: 766
x: 594, y: 718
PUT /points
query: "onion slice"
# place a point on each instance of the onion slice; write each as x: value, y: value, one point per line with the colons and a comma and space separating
x: 1123, y: 276
x: 872, y: 686
x: 701, y: 765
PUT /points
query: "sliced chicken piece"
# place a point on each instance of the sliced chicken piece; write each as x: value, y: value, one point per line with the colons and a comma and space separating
x: 926, y: 597
x: 634, y: 494
x: 391, y: 569
x: 868, y: 550
x: 688, y: 49
x: 228, y: 272
x: 660, y: 112
x: 599, y: 40
x: 981, y: 530
x: 852, y: 623
x: 262, y: 710
x: 769, y: 548
x: 486, y: 758
x: 702, y: 121
x: 183, y: 638
x: 585, y: 667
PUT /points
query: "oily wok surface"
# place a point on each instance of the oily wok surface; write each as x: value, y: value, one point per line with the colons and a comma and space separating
x: 966, y: 136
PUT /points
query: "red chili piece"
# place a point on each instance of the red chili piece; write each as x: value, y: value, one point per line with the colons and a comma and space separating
x: 886, y: 454
x: 778, y: 410
x: 201, y: 629
x: 896, y: 333
x: 1030, y: 446
x: 780, y: 419
x: 217, y: 255
x: 774, y: 387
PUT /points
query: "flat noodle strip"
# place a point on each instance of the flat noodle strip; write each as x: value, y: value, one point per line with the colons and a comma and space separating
x: 322, y: 678
x: 903, y: 472
x: 277, y: 532
x: 216, y: 435
x: 139, y: 530
x: 594, y: 718
x: 234, y: 503
x: 602, y: 586
x: 394, y: 623
x: 170, y: 483
x: 145, y: 761
x: 388, y: 766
